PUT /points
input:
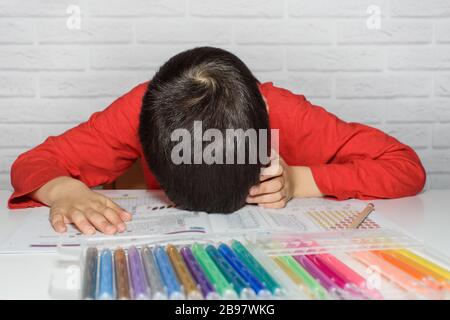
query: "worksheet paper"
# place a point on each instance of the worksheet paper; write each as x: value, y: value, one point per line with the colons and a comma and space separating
x: 153, y: 214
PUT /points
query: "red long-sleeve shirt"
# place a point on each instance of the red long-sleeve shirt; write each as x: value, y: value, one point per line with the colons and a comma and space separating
x: 347, y: 160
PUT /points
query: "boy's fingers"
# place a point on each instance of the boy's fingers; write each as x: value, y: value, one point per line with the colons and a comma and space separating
x: 274, y: 169
x: 275, y: 205
x: 267, y: 198
x: 104, y: 206
x: 57, y: 221
x: 124, y: 215
x: 266, y: 187
x: 100, y: 222
x: 81, y: 222
x: 114, y: 218
x: 270, y: 172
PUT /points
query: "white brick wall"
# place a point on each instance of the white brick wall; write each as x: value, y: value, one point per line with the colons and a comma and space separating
x: 396, y: 78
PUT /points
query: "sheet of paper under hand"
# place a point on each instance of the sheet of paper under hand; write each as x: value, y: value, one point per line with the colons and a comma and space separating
x: 154, y: 214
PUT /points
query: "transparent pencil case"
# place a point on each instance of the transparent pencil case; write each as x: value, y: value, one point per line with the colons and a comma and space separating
x: 348, y: 264
x: 372, y: 264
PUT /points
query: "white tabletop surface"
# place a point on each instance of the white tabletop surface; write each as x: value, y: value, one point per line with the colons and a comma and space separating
x: 426, y: 217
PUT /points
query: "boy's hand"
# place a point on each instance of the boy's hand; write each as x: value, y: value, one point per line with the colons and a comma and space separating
x: 71, y: 201
x: 275, y: 188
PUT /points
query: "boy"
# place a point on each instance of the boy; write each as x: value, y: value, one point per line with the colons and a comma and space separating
x: 319, y: 154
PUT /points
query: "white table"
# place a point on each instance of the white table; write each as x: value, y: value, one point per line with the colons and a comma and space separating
x: 426, y: 216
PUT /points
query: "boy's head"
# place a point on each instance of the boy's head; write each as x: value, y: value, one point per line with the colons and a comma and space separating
x: 200, y: 89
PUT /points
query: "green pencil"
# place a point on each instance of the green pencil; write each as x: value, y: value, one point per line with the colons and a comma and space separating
x: 213, y: 273
x: 314, y: 287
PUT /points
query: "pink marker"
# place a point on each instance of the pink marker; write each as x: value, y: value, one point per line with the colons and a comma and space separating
x: 336, y: 277
x: 350, y: 276
x: 341, y: 274
x: 323, y: 278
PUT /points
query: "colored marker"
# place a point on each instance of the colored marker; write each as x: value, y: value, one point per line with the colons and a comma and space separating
x: 335, y: 276
x: 300, y: 276
x: 257, y: 269
x: 295, y: 270
x: 342, y: 275
x: 239, y: 284
x: 322, y: 278
x: 168, y: 274
x: 351, y: 276
x: 287, y: 289
x: 106, y: 280
x: 185, y: 277
x: 121, y: 271
x: 394, y: 274
x: 213, y: 273
x: 154, y: 278
x: 137, y: 275
x: 393, y: 258
x: 291, y: 275
x: 202, y: 281
x: 438, y: 271
x: 244, y: 272
x: 425, y: 266
x: 90, y: 274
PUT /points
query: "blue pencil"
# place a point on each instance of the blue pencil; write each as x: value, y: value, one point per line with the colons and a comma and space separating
x: 106, y: 277
x: 239, y: 284
x: 243, y: 271
x: 168, y: 274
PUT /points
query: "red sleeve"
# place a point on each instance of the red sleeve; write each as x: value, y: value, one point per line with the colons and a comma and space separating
x: 95, y: 152
x: 363, y: 162
x: 349, y: 160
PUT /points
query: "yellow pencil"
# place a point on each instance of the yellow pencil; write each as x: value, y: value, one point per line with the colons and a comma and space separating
x: 288, y: 271
x: 182, y: 271
x: 433, y: 269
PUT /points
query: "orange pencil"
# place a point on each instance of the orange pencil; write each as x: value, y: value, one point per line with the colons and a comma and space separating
x: 182, y: 271
x: 419, y: 275
x: 402, y: 255
x: 122, y: 282
x: 394, y: 274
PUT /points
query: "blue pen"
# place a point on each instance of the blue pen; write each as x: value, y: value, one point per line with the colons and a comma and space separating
x: 168, y: 274
x: 239, y: 284
x: 244, y: 272
x: 106, y: 279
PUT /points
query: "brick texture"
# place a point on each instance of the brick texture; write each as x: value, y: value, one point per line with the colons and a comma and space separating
x: 395, y: 77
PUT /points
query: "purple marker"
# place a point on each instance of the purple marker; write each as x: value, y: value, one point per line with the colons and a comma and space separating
x: 137, y: 275
x: 323, y: 279
x: 205, y: 286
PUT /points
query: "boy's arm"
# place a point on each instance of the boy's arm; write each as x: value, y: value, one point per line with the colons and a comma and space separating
x: 328, y: 156
x: 95, y: 152
x: 358, y: 161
